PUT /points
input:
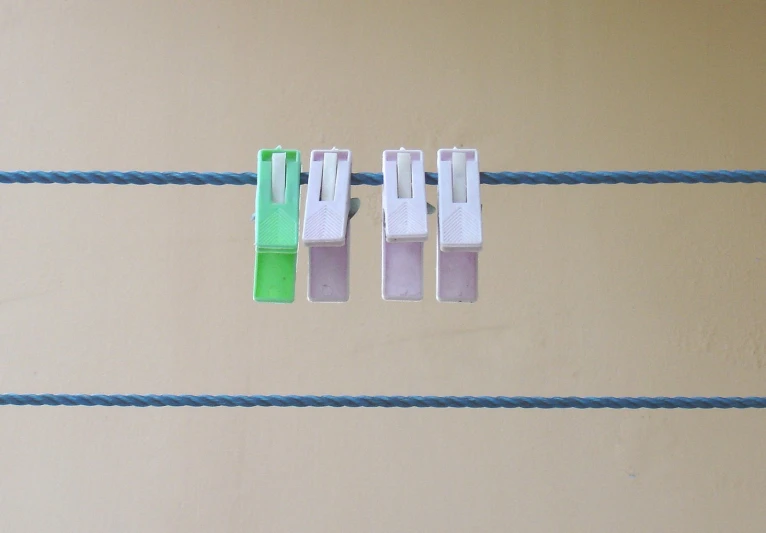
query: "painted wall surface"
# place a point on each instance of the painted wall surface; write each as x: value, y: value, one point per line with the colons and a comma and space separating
x: 591, y: 290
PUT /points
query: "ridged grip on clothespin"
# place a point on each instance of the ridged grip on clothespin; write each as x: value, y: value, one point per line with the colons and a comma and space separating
x: 277, y: 207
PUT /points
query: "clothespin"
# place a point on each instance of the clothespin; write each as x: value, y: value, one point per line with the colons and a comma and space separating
x: 405, y: 228
x: 277, y: 204
x: 326, y: 225
x: 459, y: 235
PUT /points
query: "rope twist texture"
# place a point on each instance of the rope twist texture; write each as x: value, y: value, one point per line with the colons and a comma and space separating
x: 437, y: 402
x: 369, y: 178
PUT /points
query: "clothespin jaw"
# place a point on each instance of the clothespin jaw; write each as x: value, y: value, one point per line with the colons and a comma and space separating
x: 326, y: 225
x: 405, y: 227
x: 277, y: 205
x: 459, y: 236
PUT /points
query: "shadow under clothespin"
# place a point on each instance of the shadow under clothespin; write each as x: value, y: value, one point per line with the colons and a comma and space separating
x: 353, y: 208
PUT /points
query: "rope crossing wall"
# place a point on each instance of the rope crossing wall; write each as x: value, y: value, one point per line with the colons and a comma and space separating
x: 370, y: 178
x: 437, y: 402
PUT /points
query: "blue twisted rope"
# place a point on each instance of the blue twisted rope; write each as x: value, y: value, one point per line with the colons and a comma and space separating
x: 369, y: 178
x: 439, y: 402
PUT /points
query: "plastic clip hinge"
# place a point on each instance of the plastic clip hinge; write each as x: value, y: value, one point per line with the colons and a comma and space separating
x: 459, y: 232
x: 326, y: 225
x: 277, y: 205
x: 405, y: 227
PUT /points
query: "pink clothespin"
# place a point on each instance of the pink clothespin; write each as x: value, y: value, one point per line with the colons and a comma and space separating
x: 326, y: 227
x: 459, y: 235
x: 405, y: 228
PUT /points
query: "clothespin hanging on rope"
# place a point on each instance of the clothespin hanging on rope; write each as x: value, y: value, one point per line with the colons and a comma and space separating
x: 277, y: 205
x: 459, y: 235
x: 405, y: 228
x: 326, y: 225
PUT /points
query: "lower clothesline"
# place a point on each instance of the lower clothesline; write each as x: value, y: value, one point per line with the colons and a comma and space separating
x: 437, y: 402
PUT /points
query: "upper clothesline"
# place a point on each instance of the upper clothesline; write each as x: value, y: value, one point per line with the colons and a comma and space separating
x: 578, y: 177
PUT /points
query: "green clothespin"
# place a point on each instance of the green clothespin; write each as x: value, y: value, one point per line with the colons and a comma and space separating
x: 277, y: 207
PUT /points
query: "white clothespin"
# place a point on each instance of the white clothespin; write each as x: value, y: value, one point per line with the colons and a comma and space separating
x: 405, y: 228
x: 326, y: 227
x: 459, y: 235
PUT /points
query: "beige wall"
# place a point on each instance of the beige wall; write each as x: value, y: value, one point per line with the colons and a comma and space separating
x: 609, y: 290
